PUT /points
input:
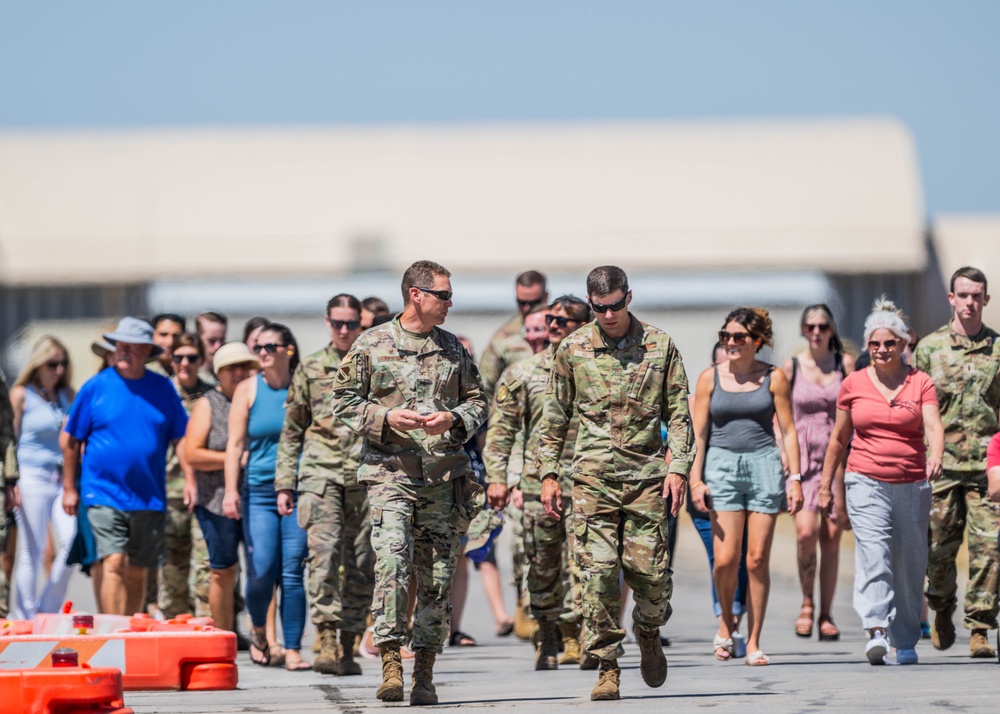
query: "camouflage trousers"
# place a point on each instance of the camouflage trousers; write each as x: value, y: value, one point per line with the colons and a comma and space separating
x: 519, y: 565
x: 415, y: 534
x: 173, y: 590
x: 960, y: 499
x: 621, y: 528
x: 572, y: 609
x: 341, y: 563
x: 544, y: 546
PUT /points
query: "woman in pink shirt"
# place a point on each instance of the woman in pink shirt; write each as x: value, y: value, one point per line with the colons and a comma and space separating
x: 891, y: 409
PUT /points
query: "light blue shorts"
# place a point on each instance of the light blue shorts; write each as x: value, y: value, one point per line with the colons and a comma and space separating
x: 746, y: 480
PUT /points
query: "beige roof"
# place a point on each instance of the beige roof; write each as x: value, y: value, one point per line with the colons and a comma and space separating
x: 839, y: 195
x: 970, y: 239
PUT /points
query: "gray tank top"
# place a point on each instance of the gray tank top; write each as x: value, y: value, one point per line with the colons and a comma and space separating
x: 212, y: 484
x: 742, y: 421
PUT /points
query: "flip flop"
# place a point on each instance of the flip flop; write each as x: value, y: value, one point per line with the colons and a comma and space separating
x: 258, y: 644
x: 460, y: 639
x: 828, y: 632
x: 804, y: 623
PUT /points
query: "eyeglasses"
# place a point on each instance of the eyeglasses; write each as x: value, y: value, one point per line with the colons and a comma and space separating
x: 740, y: 338
x: 874, y: 345
x: 540, y: 329
x: 559, y: 320
x: 190, y: 359
x: 339, y: 324
x: 443, y: 295
x: 56, y: 364
x: 270, y: 348
x: 820, y: 327
x: 614, y: 307
x: 530, y: 303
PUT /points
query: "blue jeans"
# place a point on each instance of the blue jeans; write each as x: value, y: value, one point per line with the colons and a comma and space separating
x: 276, y: 546
x: 704, y: 526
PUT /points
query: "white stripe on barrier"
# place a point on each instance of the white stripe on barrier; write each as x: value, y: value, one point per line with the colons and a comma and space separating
x: 23, y: 655
x: 111, y: 654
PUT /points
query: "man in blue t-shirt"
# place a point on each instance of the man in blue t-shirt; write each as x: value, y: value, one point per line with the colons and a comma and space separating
x: 125, y: 417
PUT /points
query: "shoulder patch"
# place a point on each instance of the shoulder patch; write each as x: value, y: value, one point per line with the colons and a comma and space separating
x: 344, y: 374
x: 503, y: 393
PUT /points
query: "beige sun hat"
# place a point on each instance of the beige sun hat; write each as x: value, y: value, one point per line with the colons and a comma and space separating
x: 234, y: 353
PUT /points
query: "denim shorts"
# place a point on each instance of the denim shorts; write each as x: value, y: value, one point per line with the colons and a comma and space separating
x: 138, y: 534
x: 223, y: 536
x: 745, y: 480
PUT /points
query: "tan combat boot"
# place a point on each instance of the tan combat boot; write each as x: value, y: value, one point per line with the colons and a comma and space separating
x: 422, y: 688
x: 607, y: 682
x: 943, y: 632
x: 979, y: 645
x: 391, y: 689
x: 329, y: 651
x: 653, y: 663
x: 347, y: 667
x: 547, y: 645
x: 525, y: 626
x: 571, y: 642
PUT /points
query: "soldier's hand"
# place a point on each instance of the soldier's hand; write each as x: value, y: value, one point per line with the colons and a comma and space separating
x: 405, y: 419
x: 552, y: 497
x: 795, y: 498
x: 673, y: 488
x: 286, y: 502
x: 517, y: 498
x: 71, y: 501
x: 497, y: 495
x: 438, y: 423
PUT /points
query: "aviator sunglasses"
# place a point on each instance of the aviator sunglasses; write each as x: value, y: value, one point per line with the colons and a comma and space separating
x: 874, y: 345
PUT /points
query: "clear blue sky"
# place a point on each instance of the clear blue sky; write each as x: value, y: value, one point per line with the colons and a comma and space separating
x: 935, y: 65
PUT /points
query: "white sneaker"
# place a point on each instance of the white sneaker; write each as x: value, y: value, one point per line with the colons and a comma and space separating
x: 906, y: 656
x: 876, y: 649
x: 739, y: 646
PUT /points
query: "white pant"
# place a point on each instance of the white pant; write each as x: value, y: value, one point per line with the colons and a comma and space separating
x: 41, y: 504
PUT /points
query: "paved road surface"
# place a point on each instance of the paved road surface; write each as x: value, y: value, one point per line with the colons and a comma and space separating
x: 805, y: 675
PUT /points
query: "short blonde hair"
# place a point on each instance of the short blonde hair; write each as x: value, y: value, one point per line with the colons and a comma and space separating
x: 885, y: 315
x: 46, y: 349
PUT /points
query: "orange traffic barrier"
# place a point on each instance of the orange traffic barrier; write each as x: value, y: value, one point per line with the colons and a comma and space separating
x: 62, y: 690
x: 202, y: 659
x: 141, y: 622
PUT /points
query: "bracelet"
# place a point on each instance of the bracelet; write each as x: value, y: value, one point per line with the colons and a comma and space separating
x: 794, y: 477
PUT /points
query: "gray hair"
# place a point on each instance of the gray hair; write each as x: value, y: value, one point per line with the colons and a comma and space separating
x: 885, y: 315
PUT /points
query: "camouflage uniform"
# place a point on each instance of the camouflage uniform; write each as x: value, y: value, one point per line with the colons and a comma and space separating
x: 8, y: 477
x: 181, y: 566
x: 966, y: 372
x: 517, y: 410
x: 506, y: 347
x: 422, y: 492
x: 622, y: 391
x: 318, y: 460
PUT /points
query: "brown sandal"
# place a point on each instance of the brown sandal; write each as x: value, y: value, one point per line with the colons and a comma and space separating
x: 804, y: 623
x: 828, y: 632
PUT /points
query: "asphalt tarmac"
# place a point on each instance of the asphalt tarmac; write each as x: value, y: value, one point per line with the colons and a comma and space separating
x: 497, y: 675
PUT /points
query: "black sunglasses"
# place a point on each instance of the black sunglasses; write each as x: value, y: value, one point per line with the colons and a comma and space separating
x: 190, y: 359
x: 559, y: 320
x: 874, y: 345
x: 740, y: 338
x: 443, y: 295
x: 614, y: 307
x: 56, y: 364
x: 349, y: 324
x: 530, y: 303
x: 270, y: 347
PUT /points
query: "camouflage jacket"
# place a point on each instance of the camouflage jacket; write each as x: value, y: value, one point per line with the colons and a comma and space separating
x: 966, y: 373
x: 8, y: 440
x: 517, y: 409
x: 391, y: 367
x: 315, y: 448
x: 622, y: 392
x: 506, y: 347
x: 175, y: 475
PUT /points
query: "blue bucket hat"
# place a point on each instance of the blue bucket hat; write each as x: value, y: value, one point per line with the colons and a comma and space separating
x: 134, y: 331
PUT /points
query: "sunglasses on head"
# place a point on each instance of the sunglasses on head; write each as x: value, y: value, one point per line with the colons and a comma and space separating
x: 349, y: 324
x: 270, y: 348
x: 740, y: 338
x: 443, y: 295
x: 56, y: 364
x: 614, y: 307
x: 816, y: 327
x: 559, y: 320
x: 530, y: 303
x: 190, y: 359
x: 874, y: 345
